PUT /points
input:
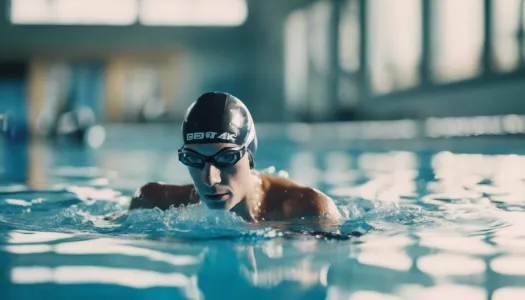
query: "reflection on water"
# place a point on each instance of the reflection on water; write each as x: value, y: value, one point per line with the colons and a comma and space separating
x: 71, y: 275
x: 419, y: 225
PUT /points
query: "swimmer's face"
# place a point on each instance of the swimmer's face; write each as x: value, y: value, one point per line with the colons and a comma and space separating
x: 220, y: 188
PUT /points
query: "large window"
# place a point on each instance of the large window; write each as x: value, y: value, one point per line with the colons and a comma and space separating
x: 296, y: 59
x: 349, y: 37
x: 349, y: 53
x: 114, y: 12
x: 506, y: 19
x: 394, y: 47
x: 127, y: 12
x: 193, y: 12
x: 307, y: 59
x: 320, y: 14
x: 457, y: 39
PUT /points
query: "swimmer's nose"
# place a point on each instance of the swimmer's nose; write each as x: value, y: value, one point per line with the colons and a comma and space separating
x: 211, y: 175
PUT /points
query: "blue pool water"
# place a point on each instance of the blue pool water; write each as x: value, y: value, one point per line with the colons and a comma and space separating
x: 424, y: 220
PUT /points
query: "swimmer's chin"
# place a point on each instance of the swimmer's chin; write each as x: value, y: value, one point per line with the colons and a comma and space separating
x: 218, y: 201
x: 216, y: 204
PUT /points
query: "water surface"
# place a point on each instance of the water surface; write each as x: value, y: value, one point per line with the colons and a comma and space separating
x: 421, y: 223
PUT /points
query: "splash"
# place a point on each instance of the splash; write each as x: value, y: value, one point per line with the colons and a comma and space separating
x: 84, y: 209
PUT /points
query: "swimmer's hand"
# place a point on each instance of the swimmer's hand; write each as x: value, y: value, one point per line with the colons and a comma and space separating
x: 163, y: 196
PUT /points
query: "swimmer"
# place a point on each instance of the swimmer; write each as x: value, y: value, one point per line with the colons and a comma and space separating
x: 220, y: 145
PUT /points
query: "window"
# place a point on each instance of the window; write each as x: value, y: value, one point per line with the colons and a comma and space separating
x: 394, y: 48
x: 126, y: 12
x: 349, y: 38
x: 319, y: 18
x: 193, y: 12
x: 505, y: 44
x: 307, y: 58
x: 103, y: 12
x: 349, y: 53
x: 296, y: 58
x: 458, y: 39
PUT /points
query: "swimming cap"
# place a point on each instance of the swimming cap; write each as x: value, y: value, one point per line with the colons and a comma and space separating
x: 218, y: 117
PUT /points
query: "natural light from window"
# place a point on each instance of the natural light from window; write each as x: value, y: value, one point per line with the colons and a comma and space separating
x: 394, y: 46
x: 69, y: 12
x: 128, y: 12
x: 349, y: 37
x: 458, y: 39
x: 296, y: 59
x: 506, y: 14
x: 193, y: 12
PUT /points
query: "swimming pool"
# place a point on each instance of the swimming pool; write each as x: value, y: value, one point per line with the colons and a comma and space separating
x: 425, y: 220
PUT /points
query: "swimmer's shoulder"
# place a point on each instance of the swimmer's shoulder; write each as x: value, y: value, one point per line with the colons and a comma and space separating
x: 161, y: 195
x: 289, y: 199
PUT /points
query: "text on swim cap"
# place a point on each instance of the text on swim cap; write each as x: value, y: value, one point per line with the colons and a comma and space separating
x: 210, y: 135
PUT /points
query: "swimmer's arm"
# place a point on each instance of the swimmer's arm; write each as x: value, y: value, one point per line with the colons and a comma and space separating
x: 163, y: 196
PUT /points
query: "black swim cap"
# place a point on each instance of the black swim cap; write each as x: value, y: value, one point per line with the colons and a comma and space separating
x: 220, y: 118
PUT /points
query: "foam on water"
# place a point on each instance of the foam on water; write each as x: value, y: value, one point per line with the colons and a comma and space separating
x: 85, y: 209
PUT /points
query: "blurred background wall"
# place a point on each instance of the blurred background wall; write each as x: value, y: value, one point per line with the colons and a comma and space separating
x: 69, y: 62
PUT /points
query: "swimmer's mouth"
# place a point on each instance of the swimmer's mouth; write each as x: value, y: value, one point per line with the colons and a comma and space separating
x: 217, y: 197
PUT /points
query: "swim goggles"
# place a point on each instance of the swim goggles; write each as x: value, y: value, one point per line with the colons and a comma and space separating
x: 224, y: 158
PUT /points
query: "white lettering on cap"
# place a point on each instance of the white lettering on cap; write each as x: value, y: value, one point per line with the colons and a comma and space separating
x: 210, y: 135
x: 227, y: 136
